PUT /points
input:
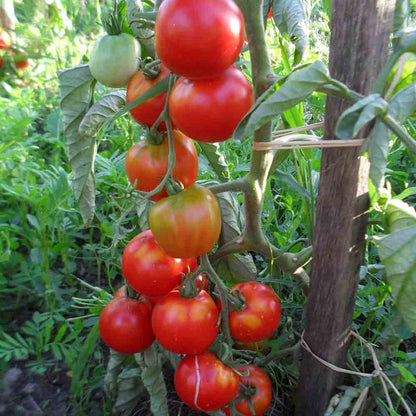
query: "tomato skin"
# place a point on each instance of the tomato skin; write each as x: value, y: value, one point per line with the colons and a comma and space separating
x: 147, y: 112
x: 270, y: 14
x: 263, y: 397
x: 187, y: 224
x: 148, y: 163
x: 198, y: 38
x: 261, y: 316
x: 218, y: 384
x: 125, y: 325
x: 149, y: 270
x: 185, y: 325
x: 210, y: 110
x: 5, y: 40
x: 114, y: 59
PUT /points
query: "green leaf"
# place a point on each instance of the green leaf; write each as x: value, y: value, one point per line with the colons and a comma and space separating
x: 294, y: 184
x: 130, y: 391
x: 291, y: 18
x: 403, y: 104
x: 297, y: 87
x: 232, y: 217
x: 236, y: 268
x: 76, y: 89
x: 114, y: 367
x: 359, y: 114
x: 399, y: 215
x: 152, y: 377
x: 142, y: 211
x: 328, y: 7
x: 215, y: 158
x: 105, y: 107
x: 401, y: 14
x: 405, y: 373
x: 398, y: 253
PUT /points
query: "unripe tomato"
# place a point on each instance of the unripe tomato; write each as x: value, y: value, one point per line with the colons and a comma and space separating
x: 204, y: 383
x: 147, y: 163
x: 149, y: 270
x: 147, y: 112
x: 185, y: 325
x: 261, y: 316
x: 209, y: 110
x: 198, y: 38
x: 5, y: 40
x: 125, y: 325
x: 262, y: 398
x: 114, y: 59
x: 187, y: 224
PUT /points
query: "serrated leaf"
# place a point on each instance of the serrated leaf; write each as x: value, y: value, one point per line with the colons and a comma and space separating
x: 114, y: 367
x: 236, y: 268
x: 359, y: 114
x: 216, y: 160
x: 105, y: 107
x: 297, y: 87
x: 401, y: 14
x: 292, y: 19
x: 142, y: 211
x: 152, y: 377
x: 76, y: 89
x: 130, y: 391
x: 398, y: 253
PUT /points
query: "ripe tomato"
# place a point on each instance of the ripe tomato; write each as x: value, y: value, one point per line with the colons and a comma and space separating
x: 262, y: 398
x: 125, y: 325
x: 21, y: 63
x: 209, y: 110
x: 204, y: 383
x: 147, y: 112
x: 187, y: 224
x: 149, y: 270
x: 114, y: 59
x: 5, y: 40
x: 198, y: 38
x: 261, y: 316
x: 185, y: 325
x: 147, y: 163
x: 270, y: 14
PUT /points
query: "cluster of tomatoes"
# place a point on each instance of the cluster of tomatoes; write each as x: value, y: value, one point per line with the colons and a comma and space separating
x: 5, y: 44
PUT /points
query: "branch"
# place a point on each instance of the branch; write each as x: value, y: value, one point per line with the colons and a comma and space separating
x: 238, y: 185
x: 276, y: 355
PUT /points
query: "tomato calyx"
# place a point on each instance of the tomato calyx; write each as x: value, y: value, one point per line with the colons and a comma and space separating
x: 237, y: 300
x: 154, y: 136
x: 131, y: 293
x: 174, y: 186
x: 151, y: 68
x: 188, y: 287
x: 111, y: 22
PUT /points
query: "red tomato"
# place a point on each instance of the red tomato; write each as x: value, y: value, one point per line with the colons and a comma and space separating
x: 187, y: 224
x: 147, y: 112
x: 149, y: 270
x: 5, y: 40
x: 185, y: 325
x: 198, y: 38
x: 209, y: 110
x: 22, y: 63
x: 148, y: 163
x: 125, y: 325
x: 261, y: 316
x: 270, y: 15
x: 204, y: 383
x: 262, y: 398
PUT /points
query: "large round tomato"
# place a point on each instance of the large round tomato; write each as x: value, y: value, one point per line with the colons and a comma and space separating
x: 209, y: 110
x: 262, y: 398
x: 198, y: 38
x: 149, y: 270
x: 187, y: 224
x: 114, y: 59
x: 204, y: 383
x: 125, y: 325
x: 147, y: 112
x: 261, y: 316
x: 147, y: 163
x: 185, y: 325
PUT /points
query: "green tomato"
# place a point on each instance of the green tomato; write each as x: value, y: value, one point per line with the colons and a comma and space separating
x: 115, y: 59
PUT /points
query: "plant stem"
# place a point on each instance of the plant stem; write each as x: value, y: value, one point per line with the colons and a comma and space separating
x: 276, y: 355
x: 238, y: 185
x: 401, y: 133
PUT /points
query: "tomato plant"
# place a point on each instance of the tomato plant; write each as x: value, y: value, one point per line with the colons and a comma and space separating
x: 147, y: 112
x: 114, y: 59
x: 261, y: 315
x: 187, y: 224
x: 209, y: 110
x: 125, y: 325
x: 5, y: 40
x: 149, y: 270
x: 261, y: 399
x: 147, y: 163
x: 199, y: 38
x: 185, y: 325
x: 204, y: 383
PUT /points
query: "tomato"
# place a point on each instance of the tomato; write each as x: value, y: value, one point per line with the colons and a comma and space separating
x: 148, y: 163
x: 187, y: 224
x: 1, y: 63
x: 185, y: 325
x: 21, y: 63
x: 125, y: 325
x: 198, y: 38
x: 204, y: 383
x: 114, y: 59
x: 147, y: 112
x: 209, y: 110
x: 261, y: 316
x: 270, y: 14
x: 5, y: 40
x: 262, y: 398
x: 149, y: 270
